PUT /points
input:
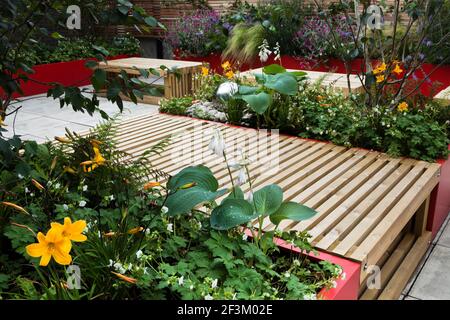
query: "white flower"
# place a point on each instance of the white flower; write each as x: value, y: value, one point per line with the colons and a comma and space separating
x: 65, y: 207
x: 82, y: 203
x: 111, y: 263
x: 343, y: 275
x: 310, y: 296
x: 287, y: 274
x: 119, y: 268
x: 209, y: 297
x: 181, y: 281
x: 334, y: 284
x: 264, y: 51
x: 164, y: 209
x: 20, y: 176
x: 32, y: 194
x: 214, y: 283
x: 296, y: 262
x: 244, y: 237
x: 277, y: 51
x: 57, y: 186
x: 139, y: 254
x: 249, y: 196
x: 199, y: 224
x: 147, y: 231
x: 170, y: 227
x: 111, y: 197
x: 242, y: 177
x: 27, y: 190
x: 85, y: 188
x: 217, y: 143
x: 191, y: 287
x: 99, y: 234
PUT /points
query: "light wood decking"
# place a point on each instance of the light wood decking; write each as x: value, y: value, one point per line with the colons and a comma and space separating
x: 371, y: 207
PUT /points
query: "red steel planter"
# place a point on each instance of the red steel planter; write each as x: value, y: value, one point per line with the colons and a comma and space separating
x: 440, y: 199
x: 70, y: 73
x: 346, y: 289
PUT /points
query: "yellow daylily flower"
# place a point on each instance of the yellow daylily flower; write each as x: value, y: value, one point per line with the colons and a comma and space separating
x: 53, y: 244
x: 397, y: 70
x: 14, y: 206
x: 135, y: 230
x: 226, y: 65
x: 381, y: 68
x: 205, y: 71
x: 229, y: 74
x: 37, y: 184
x: 124, y: 278
x: 380, y: 78
x: 63, y: 139
x: 95, y: 143
x: 403, y: 106
x: 151, y: 185
x: 98, y: 160
x: 69, y: 170
x: 72, y: 231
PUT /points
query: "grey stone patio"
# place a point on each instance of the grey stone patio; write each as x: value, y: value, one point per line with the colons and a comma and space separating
x: 41, y: 118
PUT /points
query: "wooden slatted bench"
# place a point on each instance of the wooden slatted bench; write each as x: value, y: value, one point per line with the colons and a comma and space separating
x: 443, y: 96
x: 174, y: 85
x: 335, y: 80
x: 372, y: 208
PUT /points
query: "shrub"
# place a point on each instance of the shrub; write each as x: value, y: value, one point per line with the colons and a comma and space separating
x: 177, y: 106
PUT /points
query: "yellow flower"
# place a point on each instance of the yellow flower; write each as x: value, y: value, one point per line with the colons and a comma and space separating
x: 229, y: 74
x: 14, y: 206
x: 205, y: 71
x: 62, y: 139
x: 151, y: 185
x: 37, y: 184
x: 53, y: 244
x: 381, y: 68
x: 226, y: 65
x: 397, y: 70
x: 380, y: 78
x: 402, y: 106
x: 98, y: 160
x: 72, y: 231
x: 95, y: 143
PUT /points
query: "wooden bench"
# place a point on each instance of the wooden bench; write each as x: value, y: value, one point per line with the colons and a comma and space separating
x: 443, y: 96
x: 334, y: 80
x: 372, y: 209
x: 174, y: 85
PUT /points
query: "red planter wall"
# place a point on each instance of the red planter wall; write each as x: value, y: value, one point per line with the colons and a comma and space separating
x: 335, y: 65
x: 66, y: 73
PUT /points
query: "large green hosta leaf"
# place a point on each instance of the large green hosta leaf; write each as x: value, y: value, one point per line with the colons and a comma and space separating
x: 284, y: 83
x: 231, y: 213
x: 200, y: 175
x: 258, y: 102
x: 268, y: 199
x: 292, y: 211
x: 183, y: 201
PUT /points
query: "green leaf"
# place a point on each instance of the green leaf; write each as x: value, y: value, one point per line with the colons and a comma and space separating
x: 100, y: 49
x: 152, y: 22
x: 56, y: 35
x: 268, y: 199
x: 273, y: 69
x: 293, y: 211
x: 98, y: 79
x: 258, y: 102
x: 91, y: 64
x: 183, y: 201
x: 244, y: 90
x: 231, y: 213
x: 236, y: 193
x: 284, y: 83
x: 201, y: 175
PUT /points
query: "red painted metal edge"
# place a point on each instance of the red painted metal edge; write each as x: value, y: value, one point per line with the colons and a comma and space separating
x: 440, y: 199
x: 347, y: 287
x: 68, y: 73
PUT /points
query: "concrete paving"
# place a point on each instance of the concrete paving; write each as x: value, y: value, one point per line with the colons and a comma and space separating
x: 41, y: 118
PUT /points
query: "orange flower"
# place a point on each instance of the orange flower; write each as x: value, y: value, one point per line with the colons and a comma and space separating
x: 14, y: 206
x: 53, y: 244
x: 37, y: 184
x: 381, y: 68
x: 402, y: 106
x: 226, y: 65
x: 151, y: 185
x: 70, y: 230
x: 125, y: 278
x: 98, y: 160
x: 397, y: 70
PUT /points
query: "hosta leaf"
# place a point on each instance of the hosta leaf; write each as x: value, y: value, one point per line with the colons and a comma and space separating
x: 200, y: 175
x: 231, y: 213
x: 284, y: 83
x: 268, y: 199
x: 292, y: 211
x: 183, y: 201
x: 258, y: 102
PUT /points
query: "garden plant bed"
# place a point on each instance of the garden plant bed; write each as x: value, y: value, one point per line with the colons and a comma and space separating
x: 364, y: 199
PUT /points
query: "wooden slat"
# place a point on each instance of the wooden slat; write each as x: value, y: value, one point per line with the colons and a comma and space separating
x: 443, y: 96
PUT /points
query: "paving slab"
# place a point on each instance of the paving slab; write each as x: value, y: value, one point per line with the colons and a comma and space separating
x: 444, y: 239
x: 433, y: 282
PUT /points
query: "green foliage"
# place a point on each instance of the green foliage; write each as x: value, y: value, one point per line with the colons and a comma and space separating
x: 243, y: 44
x: 177, y: 106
